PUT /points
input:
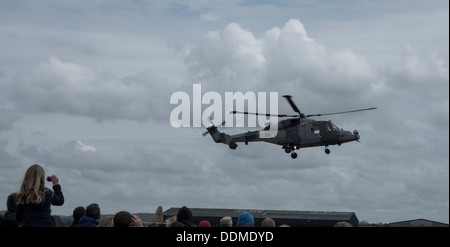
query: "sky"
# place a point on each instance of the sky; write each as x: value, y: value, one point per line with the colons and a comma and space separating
x: 85, y: 90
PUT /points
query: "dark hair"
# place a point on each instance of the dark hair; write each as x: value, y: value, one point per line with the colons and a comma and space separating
x: 78, y: 212
x: 122, y: 219
x: 11, y: 203
x: 184, y: 214
x: 176, y: 224
x: 93, y: 211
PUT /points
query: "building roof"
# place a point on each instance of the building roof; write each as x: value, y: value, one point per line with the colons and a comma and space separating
x: 418, y: 223
x: 275, y: 214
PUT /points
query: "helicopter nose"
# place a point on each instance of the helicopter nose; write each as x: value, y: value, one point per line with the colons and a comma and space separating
x: 356, y: 134
x: 347, y: 136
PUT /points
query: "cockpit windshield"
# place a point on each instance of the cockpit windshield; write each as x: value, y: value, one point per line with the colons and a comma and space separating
x: 334, y: 127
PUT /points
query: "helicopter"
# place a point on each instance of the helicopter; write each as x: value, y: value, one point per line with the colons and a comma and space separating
x: 296, y: 132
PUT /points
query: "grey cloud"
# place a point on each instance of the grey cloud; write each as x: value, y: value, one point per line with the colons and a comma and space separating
x: 9, y: 116
x: 70, y: 88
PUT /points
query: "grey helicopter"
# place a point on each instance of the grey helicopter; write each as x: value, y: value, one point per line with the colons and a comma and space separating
x: 296, y: 132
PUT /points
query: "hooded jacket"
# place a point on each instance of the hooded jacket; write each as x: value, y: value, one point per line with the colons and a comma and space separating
x: 87, y: 221
x: 184, y: 216
x: 245, y: 219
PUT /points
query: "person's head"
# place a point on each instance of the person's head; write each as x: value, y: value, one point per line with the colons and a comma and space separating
x: 107, y: 222
x: 245, y: 220
x: 11, y: 203
x: 78, y: 212
x: 184, y: 214
x: 226, y: 222
x: 204, y: 223
x: 93, y: 211
x: 268, y: 222
x: 32, y: 186
x: 342, y: 224
x: 176, y: 224
x: 170, y: 220
x: 122, y: 219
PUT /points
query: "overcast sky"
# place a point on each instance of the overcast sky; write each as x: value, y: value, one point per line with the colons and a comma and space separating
x: 85, y: 91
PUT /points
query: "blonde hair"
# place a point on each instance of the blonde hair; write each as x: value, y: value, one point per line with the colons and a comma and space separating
x: 33, y: 187
x: 107, y: 222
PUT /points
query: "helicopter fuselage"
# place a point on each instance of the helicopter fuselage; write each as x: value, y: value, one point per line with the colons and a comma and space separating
x: 300, y: 133
x: 293, y: 134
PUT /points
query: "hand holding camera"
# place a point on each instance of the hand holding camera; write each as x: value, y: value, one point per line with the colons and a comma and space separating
x: 53, y: 178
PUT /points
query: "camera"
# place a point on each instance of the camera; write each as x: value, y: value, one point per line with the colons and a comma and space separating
x: 49, y: 178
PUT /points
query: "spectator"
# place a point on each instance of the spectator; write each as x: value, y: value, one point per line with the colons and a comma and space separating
x: 226, y: 222
x: 92, y: 216
x: 171, y: 220
x: 176, y: 224
x: 8, y: 218
x: 245, y: 220
x: 342, y: 224
x: 204, y: 223
x: 107, y: 222
x: 77, y: 213
x: 268, y: 222
x: 34, y: 199
x: 184, y: 216
x: 125, y: 219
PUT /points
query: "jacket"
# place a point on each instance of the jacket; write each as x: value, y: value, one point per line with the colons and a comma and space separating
x: 34, y: 215
x: 87, y: 221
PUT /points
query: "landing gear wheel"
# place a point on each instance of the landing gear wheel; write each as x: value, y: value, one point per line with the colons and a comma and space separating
x: 293, y: 155
x: 287, y: 150
x: 327, y: 151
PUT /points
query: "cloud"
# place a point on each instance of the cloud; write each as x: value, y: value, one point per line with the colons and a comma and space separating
x: 231, y: 56
x: 288, y: 61
x: 9, y: 116
x: 284, y: 59
x: 75, y: 89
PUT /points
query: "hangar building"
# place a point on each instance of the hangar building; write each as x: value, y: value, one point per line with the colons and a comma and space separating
x: 291, y: 218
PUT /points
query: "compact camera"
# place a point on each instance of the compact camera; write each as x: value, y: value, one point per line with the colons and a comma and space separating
x: 49, y: 178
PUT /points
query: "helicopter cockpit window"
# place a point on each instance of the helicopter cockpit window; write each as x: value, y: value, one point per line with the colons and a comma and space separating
x: 334, y: 127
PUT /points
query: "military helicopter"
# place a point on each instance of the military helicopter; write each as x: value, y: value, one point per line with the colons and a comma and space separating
x: 295, y: 132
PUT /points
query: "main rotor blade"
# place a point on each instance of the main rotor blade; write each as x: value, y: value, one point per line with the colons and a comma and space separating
x: 291, y: 102
x: 262, y: 114
x: 333, y: 113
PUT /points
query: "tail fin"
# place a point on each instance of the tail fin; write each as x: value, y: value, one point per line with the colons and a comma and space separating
x: 220, y: 137
x: 157, y: 218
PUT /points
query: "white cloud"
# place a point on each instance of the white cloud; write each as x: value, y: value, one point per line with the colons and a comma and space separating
x: 85, y: 148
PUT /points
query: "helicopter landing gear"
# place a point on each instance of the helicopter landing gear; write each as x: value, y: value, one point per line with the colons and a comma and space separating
x: 291, y: 149
x: 327, y: 151
x: 293, y: 155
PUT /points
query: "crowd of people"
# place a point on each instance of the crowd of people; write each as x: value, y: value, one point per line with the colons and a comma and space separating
x: 31, y: 207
